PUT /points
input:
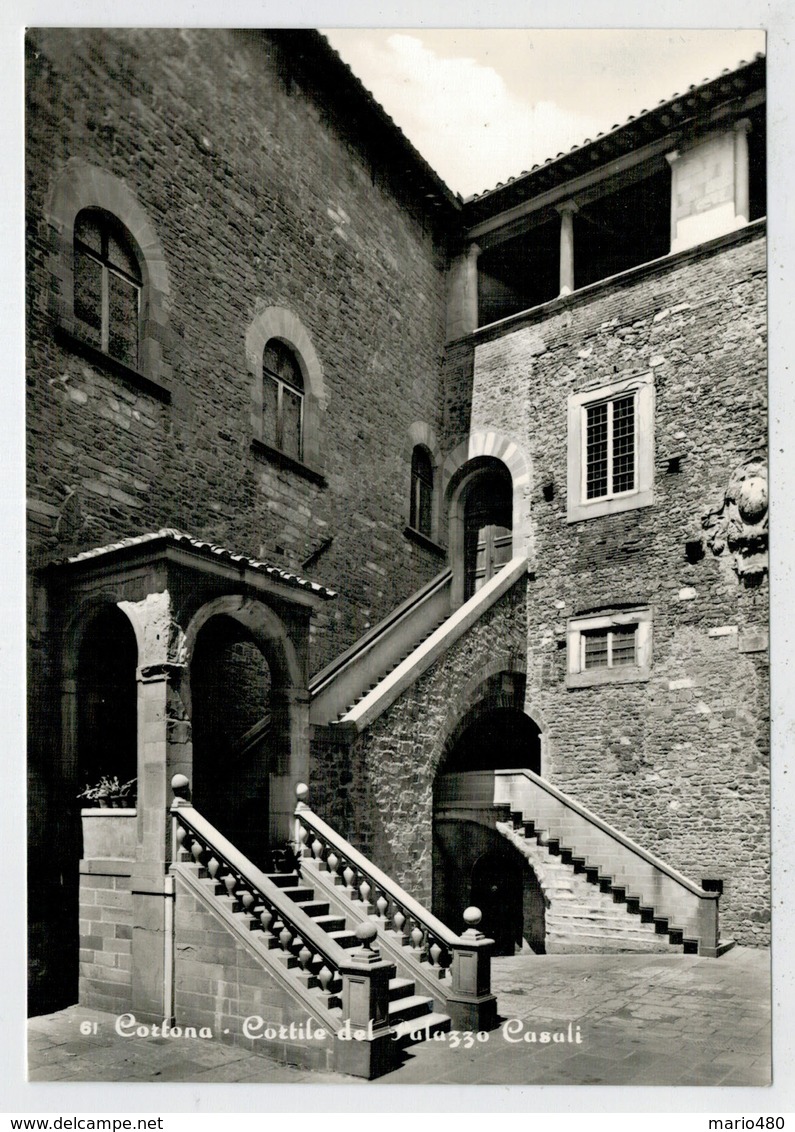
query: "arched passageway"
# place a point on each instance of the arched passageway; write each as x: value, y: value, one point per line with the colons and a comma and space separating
x: 488, y: 523
x: 239, y: 729
x: 107, y: 709
x: 472, y: 864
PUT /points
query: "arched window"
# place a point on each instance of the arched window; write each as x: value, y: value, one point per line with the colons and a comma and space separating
x: 107, y: 286
x: 421, y: 511
x: 282, y: 400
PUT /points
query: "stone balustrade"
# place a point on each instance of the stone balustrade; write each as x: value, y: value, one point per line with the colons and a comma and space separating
x: 453, y: 969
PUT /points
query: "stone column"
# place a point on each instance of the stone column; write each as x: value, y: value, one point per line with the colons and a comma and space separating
x: 673, y: 159
x: 742, y: 210
x: 462, y: 294
x: 162, y: 751
x: 290, y: 769
x: 567, y: 211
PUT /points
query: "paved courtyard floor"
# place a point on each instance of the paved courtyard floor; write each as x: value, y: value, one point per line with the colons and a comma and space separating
x: 642, y: 1020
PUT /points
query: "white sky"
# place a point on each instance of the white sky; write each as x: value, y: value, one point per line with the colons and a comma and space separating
x: 482, y: 105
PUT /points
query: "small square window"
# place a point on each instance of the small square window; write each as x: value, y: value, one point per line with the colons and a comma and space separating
x: 611, y: 648
x: 611, y: 448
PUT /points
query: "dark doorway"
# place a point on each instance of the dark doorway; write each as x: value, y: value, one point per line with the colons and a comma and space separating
x: 472, y: 863
x: 237, y: 732
x: 496, y: 888
x: 488, y: 522
x: 107, y: 694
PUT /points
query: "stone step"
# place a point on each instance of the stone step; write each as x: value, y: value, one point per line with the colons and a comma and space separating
x: 299, y: 893
x: 409, y: 1006
x: 284, y: 880
x: 344, y: 938
x: 419, y: 1030
x: 400, y: 988
x: 315, y: 908
x: 330, y: 923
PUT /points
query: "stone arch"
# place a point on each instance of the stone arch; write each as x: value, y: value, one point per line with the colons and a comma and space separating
x: 286, y: 326
x: 485, y: 454
x: 81, y: 186
x: 76, y: 626
x: 288, y: 745
x: 421, y: 435
x: 491, y: 443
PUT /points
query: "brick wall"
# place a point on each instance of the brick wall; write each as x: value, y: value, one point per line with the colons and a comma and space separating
x: 105, y: 937
x: 679, y: 763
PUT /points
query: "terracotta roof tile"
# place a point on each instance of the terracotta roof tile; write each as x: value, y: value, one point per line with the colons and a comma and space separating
x: 209, y: 549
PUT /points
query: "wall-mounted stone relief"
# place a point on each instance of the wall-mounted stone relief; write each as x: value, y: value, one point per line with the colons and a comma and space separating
x: 739, y: 527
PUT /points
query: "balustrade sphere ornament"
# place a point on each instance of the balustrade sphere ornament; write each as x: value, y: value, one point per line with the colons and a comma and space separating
x: 302, y: 792
x: 472, y: 916
x: 180, y: 785
x: 366, y: 932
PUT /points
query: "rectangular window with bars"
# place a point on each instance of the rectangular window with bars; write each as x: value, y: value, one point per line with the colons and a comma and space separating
x: 610, y: 445
x: 609, y: 647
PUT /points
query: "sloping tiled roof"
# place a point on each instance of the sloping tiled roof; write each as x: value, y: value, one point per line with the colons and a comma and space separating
x: 364, y: 112
x: 638, y: 130
x: 208, y: 549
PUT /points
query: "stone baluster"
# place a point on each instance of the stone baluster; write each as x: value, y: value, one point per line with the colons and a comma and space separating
x: 365, y: 1009
x: 380, y: 917
x: 399, y: 920
x: 470, y: 1003
x: 349, y: 876
x: 300, y: 836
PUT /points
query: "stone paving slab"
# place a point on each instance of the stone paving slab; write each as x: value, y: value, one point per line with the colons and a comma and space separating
x: 643, y: 1020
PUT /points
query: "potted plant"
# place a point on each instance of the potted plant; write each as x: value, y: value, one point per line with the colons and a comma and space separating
x: 109, y: 792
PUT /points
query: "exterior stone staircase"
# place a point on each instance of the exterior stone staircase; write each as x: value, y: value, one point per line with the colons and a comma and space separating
x: 361, y: 684
x: 581, y: 914
x: 307, y: 945
x: 411, y: 1016
x: 546, y: 824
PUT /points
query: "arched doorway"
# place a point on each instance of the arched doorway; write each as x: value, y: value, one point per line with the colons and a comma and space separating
x: 488, y: 523
x: 239, y: 730
x: 107, y: 707
x: 472, y: 863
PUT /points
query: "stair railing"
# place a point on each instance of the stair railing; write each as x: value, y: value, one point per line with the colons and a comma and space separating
x: 354, y: 979
x: 456, y: 970
x: 340, y: 683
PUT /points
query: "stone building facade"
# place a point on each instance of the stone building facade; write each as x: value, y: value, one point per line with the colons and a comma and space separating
x: 494, y: 433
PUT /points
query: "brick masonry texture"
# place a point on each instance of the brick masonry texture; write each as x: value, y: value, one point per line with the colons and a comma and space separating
x: 105, y: 942
x: 680, y: 763
x: 218, y: 984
